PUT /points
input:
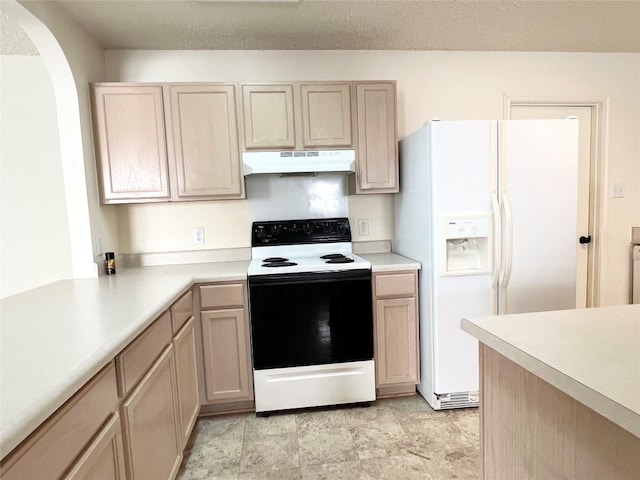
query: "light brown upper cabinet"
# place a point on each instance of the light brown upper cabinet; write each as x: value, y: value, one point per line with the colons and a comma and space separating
x: 166, y: 142
x: 377, y: 150
x: 297, y: 115
x: 268, y: 116
x: 204, y: 141
x: 130, y: 143
x: 326, y: 115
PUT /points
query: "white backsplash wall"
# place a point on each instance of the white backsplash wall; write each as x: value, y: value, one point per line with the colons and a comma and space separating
x: 168, y: 227
x: 299, y: 197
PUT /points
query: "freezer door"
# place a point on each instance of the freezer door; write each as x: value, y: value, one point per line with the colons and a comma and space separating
x: 538, y: 177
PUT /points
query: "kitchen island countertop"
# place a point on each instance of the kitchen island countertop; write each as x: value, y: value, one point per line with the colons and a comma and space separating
x: 592, y: 355
x: 54, y: 338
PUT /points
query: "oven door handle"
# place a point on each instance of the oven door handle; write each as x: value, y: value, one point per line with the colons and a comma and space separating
x: 309, y: 277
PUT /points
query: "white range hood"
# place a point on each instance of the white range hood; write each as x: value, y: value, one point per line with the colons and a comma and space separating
x: 307, y: 161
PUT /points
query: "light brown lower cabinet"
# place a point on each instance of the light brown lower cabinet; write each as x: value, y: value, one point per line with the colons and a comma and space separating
x: 153, y: 450
x: 153, y: 382
x: 103, y: 459
x: 54, y: 447
x: 225, y: 357
x: 396, y: 332
x: 184, y: 344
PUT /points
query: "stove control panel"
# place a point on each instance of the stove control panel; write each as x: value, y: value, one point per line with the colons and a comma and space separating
x: 293, y: 232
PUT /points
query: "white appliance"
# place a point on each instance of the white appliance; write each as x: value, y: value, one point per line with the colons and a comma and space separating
x: 299, y: 161
x: 311, y: 316
x: 490, y: 210
x: 635, y: 258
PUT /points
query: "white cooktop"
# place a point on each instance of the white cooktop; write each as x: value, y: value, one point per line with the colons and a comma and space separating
x: 307, y: 258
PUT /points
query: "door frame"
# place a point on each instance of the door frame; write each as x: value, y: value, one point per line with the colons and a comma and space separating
x: 598, y: 166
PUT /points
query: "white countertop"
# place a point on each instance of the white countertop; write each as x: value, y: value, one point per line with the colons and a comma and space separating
x: 388, y: 262
x: 53, y: 339
x: 592, y: 355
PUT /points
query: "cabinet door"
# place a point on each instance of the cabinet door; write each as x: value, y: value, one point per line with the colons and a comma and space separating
x: 326, y: 115
x: 152, y: 445
x: 396, y: 343
x: 227, y: 361
x: 187, y: 379
x: 103, y: 459
x: 377, y: 170
x: 130, y: 142
x: 204, y: 141
x: 268, y: 116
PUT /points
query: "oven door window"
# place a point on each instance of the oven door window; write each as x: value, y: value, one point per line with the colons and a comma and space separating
x: 311, y: 318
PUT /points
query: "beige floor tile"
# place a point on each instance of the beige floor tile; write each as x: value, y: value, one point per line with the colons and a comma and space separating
x: 321, y: 419
x: 399, y: 439
x: 335, y: 471
x: 468, y: 421
x: 276, y: 424
x: 459, y: 463
x: 379, y: 412
x: 280, y: 474
x: 374, y: 440
x: 326, y: 446
x: 269, y: 452
x: 212, y: 457
x: 398, y: 467
x: 437, y: 433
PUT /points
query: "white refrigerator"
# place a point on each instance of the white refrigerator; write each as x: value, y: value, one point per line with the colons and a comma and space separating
x: 489, y: 208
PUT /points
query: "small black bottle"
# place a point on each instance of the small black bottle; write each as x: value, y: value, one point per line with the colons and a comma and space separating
x: 110, y: 263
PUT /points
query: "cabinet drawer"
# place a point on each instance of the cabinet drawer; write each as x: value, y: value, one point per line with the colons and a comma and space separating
x: 394, y: 284
x: 217, y: 296
x: 138, y: 357
x: 57, y: 443
x: 181, y: 311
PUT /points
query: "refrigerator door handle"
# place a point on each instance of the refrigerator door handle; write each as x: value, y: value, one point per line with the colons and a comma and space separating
x: 508, y: 217
x: 497, y: 246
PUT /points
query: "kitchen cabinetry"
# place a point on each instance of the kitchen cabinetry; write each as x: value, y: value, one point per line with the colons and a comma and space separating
x: 166, y: 142
x: 203, y: 144
x: 147, y: 380
x: 157, y: 376
x: 396, y: 332
x: 226, y: 351
x: 377, y: 146
x: 130, y: 143
x: 152, y: 443
x: 103, y: 459
x: 183, y: 324
x: 54, y: 446
x: 297, y: 115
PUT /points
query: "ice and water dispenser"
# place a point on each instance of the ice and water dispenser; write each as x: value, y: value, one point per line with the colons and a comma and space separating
x: 465, y: 244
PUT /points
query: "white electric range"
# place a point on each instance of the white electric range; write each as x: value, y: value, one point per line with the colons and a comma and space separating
x: 311, y: 316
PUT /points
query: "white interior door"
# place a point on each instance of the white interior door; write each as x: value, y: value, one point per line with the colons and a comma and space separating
x: 584, y: 277
x: 539, y: 196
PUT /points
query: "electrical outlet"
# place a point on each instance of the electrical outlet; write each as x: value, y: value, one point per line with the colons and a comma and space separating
x: 363, y: 227
x: 198, y: 235
x: 617, y: 190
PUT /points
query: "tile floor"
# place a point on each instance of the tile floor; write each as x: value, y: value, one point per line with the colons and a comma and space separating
x: 399, y: 438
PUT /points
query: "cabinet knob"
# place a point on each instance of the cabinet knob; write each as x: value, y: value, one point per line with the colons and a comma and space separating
x: 584, y: 239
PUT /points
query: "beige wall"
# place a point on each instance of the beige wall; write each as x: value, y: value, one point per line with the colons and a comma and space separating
x: 74, y: 59
x: 34, y: 243
x: 447, y: 85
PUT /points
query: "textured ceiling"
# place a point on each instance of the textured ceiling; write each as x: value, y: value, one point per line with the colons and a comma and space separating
x: 549, y: 25
x: 13, y: 39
